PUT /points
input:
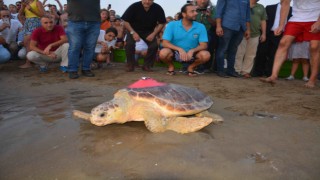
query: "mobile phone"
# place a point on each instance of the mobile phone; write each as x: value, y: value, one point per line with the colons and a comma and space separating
x: 6, y: 20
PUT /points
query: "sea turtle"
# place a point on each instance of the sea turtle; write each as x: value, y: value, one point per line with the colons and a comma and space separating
x: 161, y: 106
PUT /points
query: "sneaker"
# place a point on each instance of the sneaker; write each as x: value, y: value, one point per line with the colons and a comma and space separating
x: 87, y: 73
x: 199, y: 72
x: 290, y: 78
x: 306, y: 79
x: 73, y: 75
x: 43, y: 69
x: 64, y: 69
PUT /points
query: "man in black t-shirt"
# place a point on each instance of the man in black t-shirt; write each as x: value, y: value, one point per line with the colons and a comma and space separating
x: 143, y: 20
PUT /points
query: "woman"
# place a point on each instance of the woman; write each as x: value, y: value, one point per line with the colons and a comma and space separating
x: 32, y: 10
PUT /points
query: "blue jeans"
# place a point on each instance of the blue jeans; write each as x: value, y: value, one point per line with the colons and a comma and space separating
x: 228, y: 44
x: 82, y: 35
x: 4, y: 54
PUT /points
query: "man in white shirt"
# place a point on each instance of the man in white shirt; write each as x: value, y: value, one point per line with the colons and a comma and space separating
x: 305, y: 24
x: 9, y: 29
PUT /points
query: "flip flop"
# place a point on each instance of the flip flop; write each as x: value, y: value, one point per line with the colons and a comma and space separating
x: 171, y: 73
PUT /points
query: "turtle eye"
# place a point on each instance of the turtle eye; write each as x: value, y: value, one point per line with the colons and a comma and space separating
x: 102, y: 115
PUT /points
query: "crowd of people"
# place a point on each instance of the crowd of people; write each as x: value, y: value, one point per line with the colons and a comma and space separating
x: 232, y: 38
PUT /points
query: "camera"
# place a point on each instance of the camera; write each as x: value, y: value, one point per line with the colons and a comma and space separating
x: 202, y: 9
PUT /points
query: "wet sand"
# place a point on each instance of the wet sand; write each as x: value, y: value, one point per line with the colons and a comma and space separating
x: 267, y: 133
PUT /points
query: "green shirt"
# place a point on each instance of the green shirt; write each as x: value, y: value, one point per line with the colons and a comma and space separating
x: 258, y: 14
x: 202, y: 18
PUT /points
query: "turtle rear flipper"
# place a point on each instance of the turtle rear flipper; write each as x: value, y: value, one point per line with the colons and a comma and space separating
x: 188, y: 124
x: 215, y: 117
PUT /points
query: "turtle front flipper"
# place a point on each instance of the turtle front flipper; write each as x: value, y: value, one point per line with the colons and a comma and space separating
x: 187, y: 124
x: 154, y: 122
x: 82, y: 115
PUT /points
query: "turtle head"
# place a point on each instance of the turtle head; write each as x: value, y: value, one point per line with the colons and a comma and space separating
x: 106, y: 113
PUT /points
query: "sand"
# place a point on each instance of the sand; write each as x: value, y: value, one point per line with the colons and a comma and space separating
x: 268, y: 132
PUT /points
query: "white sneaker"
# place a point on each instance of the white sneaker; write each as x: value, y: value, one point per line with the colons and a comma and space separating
x: 305, y: 79
x: 290, y: 78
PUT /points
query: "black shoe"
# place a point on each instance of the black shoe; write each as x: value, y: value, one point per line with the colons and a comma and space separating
x: 234, y: 74
x: 73, y: 75
x: 87, y: 73
x: 222, y: 74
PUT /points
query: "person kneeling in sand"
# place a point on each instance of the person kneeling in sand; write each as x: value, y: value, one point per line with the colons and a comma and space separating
x: 185, y: 41
x: 49, y: 44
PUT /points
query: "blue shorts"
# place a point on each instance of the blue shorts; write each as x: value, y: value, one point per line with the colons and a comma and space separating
x: 176, y: 57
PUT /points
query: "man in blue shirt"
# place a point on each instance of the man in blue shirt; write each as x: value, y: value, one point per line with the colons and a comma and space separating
x: 185, y: 41
x: 233, y: 21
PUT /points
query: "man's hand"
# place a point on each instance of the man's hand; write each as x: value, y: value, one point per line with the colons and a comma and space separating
x: 219, y: 31
x: 190, y: 54
x: 46, y: 51
x: 263, y: 38
x: 150, y: 37
x: 52, y: 55
x: 183, y: 55
x: 136, y: 37
x: 247, y: 34
x: 278, y: 31
x: 4, y: 26
x: 315, y: 28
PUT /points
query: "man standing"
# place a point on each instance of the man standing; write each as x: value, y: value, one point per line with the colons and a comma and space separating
x: 304, y: 23
x: 248, y: 48
x: 143, y: 20
x: 185, y: 41
x: 233, y: 21
x: 83, y: 31
x: 49, y: 44
x: 206, y: 16
x: 266, y: 50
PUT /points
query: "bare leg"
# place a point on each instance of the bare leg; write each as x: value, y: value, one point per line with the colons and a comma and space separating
x: 166, y: 56
x: 280, y: 57
x: 314, y: 62
x: 295, y: 65
x: 201, y: 58
x: 305, y: 67
x: 26, y: 40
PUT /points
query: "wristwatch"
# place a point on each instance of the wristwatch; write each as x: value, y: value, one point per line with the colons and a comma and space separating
x: 132, y: 32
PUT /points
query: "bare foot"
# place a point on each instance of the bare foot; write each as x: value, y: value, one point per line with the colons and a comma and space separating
x: 268, y: 80
x: 309, y: 84
x: 26, y: 65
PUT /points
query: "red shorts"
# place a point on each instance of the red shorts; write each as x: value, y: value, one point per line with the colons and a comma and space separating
x: 301, y: 30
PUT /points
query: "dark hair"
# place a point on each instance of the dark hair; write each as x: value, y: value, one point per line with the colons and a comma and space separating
x: 113, y: 30
x: 184, y: 9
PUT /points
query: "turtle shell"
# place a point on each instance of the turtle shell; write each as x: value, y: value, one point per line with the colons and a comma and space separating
x: 172, y: 99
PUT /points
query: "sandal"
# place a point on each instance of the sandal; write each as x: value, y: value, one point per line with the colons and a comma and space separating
x: 192, y: 73
x: 171, y: 73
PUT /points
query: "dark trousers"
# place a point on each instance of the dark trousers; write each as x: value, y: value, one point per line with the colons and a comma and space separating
x: 130, y: 49
x: 265, y: 55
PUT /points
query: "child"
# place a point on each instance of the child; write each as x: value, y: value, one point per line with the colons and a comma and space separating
x: 299, y: 53
x: 105, y: 44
